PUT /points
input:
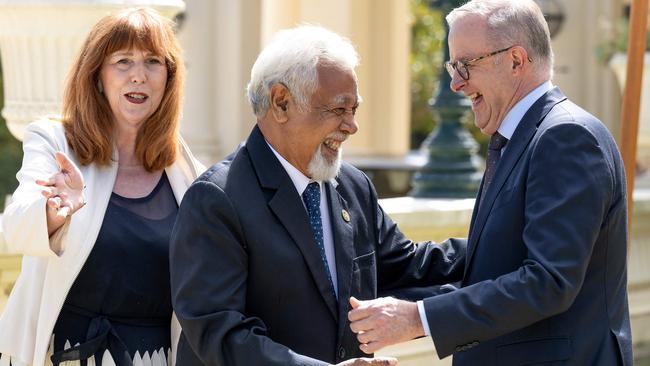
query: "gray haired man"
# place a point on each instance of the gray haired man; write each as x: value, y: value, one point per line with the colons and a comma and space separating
x: 268, y: 249
x: 545, y: 274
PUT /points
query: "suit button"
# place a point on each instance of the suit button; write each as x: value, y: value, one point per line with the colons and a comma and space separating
x: 341, y: 353
x: 475, y: 343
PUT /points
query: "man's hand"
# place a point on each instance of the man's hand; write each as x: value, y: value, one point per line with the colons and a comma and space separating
x: 381, y: 322
x: 377, y: 361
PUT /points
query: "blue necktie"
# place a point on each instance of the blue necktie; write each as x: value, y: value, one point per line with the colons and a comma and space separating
x: 497, y: 142
x: 311, y: 197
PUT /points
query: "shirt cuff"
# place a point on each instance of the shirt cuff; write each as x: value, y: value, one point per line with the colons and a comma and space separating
x: 423, y: 318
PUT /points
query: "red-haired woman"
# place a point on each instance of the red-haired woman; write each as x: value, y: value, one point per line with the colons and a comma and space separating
x: 98, y: 195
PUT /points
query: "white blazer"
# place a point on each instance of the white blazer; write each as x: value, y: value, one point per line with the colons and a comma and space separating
x: 33, y: 307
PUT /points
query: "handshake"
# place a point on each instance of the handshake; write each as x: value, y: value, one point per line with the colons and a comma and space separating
x: 382, y: 322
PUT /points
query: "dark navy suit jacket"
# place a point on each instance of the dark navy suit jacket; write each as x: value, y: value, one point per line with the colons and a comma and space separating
x: 248, y: 283
x: 545, y: 274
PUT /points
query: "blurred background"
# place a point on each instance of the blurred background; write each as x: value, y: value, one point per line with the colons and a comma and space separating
x: 416, y: 140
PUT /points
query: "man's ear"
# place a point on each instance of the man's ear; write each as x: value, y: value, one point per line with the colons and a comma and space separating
x: 280, y: 102
x: 518, y: 56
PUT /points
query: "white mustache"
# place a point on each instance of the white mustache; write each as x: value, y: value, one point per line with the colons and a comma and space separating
x: 338, y: 136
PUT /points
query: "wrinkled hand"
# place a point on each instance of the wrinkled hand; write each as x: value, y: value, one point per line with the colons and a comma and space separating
x: 63, y: 190
x: 381, y: 322
x: 377, y: 361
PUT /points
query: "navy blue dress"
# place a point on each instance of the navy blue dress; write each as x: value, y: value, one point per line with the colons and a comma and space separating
x: 118, y: 311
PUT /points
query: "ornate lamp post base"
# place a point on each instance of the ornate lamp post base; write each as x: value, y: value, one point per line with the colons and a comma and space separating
x: 453, y: 170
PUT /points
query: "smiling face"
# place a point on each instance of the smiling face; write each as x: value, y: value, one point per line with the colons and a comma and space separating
x: 312, y: 139
x: 134, y: 83
x: 492, y: 87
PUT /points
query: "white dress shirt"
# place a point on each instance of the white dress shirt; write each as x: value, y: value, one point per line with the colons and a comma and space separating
x: 514, y: 116
x: 300, y: 181
x: 506, y: 129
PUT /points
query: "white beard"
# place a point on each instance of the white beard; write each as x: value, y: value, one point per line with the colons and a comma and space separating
x: 322, y: 170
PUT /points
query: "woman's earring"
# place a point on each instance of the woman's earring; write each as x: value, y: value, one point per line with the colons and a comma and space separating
x: 100, y: 87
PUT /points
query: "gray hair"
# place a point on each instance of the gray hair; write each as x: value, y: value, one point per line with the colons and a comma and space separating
x: 292, y: 58
x: 513, y: 22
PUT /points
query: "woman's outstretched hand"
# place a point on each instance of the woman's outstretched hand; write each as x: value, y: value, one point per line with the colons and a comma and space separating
x: 64, y: 191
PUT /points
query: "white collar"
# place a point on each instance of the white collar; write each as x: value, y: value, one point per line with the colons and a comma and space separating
x: 515, y: 115
x: 300, y: 181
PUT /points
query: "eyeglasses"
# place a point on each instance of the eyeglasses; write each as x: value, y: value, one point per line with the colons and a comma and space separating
x: 462, y: 67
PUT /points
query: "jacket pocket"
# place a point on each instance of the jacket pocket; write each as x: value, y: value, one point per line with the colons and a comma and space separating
x: 364, y: 277
x: 534, y: 351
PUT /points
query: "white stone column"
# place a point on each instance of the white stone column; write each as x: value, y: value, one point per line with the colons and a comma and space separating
x: 221, y: 40
x: 276, y: 15
x: 38, y: 40
x: 380, y: 30
x: 586, y: 81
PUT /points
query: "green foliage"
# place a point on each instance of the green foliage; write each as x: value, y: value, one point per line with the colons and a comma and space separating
x: 427, y: 37
x: 427, y: 42
x: 10, y: 155
x: 617, y: 43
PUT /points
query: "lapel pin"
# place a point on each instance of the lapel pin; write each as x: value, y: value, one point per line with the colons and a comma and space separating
x: 345, y: 215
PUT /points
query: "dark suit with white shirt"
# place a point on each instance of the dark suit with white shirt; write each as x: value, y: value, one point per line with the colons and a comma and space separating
x: 248, y: 283
x: 545, y: 275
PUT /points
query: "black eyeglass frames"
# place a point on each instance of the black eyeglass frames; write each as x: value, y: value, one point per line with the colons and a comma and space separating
x: 462, y: 67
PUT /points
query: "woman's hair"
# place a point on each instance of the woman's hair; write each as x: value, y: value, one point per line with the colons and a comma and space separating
x: 87, y: 116
x: 292, y: 58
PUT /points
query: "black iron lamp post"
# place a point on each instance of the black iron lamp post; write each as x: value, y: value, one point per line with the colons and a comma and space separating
x: 453, y: 170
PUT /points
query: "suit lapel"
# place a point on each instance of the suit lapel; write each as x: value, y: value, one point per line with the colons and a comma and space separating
x: 513, y: 152
x: 343, y: 249
x: 288, y: 207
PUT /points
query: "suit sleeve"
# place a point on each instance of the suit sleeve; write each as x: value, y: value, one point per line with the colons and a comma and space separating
x: 568, y: 189
x: 24, y: 222
x: 409, y: 270
x: 208, y: 265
